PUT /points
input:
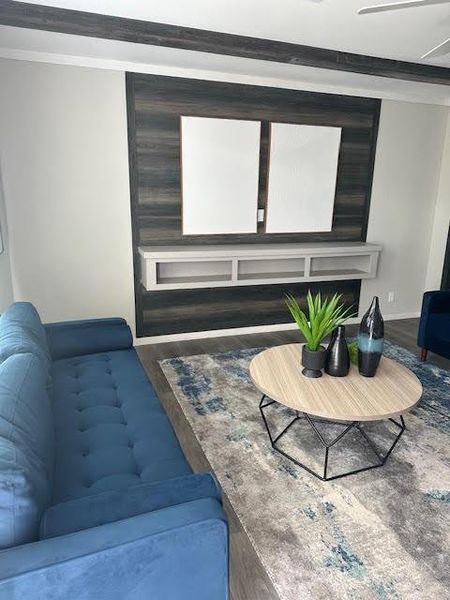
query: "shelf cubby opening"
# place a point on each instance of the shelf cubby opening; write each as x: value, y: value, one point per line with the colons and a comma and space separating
x: 324, y: 266
x: 201, y: 271
x: 270, y: 268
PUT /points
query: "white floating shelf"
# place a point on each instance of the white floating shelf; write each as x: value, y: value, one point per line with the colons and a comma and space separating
x: 184, y: 267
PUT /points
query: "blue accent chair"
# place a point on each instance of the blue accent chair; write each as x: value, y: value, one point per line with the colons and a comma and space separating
x: 434, y: 326
x: 97, y: 501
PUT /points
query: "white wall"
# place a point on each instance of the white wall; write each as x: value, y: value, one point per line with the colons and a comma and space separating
x: 441, y: 220
x: 65, y: 175
x: 6, y: 291
x: 405, y: 187
x: 65, y: 172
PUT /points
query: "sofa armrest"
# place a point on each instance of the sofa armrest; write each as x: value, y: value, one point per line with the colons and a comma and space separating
x: 107, y: 507
x: 435, y: 302
x: 177, y: 553
x: 74, y: 338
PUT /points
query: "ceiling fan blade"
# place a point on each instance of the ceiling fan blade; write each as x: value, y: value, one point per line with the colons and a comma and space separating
x: 439, y: 50
x: 398, y: 5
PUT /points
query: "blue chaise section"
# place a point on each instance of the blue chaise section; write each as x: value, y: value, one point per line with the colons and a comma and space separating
x: 434, y: 326
x: 97, y: 499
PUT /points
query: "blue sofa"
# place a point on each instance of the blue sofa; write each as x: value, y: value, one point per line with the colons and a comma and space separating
x: 97, y: 500
x: 434, y: 326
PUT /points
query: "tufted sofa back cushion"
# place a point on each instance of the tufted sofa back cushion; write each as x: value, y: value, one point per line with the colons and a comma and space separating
x: 26, y: 448
x: 21, y: 331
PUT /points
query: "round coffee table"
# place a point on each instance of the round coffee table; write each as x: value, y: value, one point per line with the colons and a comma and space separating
x: 349, y: 401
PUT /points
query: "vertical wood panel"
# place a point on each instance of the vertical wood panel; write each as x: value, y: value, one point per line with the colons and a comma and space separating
x: 134, y: 191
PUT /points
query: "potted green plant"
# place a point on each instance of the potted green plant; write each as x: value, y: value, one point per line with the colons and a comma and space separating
x: 321, y: 319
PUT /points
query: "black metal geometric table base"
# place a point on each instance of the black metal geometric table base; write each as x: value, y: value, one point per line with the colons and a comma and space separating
x: 354, y: 425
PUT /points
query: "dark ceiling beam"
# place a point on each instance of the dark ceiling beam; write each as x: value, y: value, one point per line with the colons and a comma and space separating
x: 36, y: 16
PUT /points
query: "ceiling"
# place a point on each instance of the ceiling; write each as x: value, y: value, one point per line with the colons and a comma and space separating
x: 401, y: 34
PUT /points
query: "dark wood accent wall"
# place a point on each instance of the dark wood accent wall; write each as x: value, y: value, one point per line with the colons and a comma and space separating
x: 160, y: 101
x: 75, y: 22
x: 155, y: 105
x: 181, y: 311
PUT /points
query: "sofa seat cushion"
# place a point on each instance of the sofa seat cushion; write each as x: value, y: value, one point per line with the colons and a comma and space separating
x: 21, y: 331
x: 111, y: 431
x: 107, y: 507
x: 26, y: 449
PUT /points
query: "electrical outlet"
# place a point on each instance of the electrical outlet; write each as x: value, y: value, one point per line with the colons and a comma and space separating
x: 391, y: 296
x: 260, y: 215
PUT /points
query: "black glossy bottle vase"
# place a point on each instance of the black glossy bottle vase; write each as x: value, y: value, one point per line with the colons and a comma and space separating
x: 370, y: 340
x: 337, y: 361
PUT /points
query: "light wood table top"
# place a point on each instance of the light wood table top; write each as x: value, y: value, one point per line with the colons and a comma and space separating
x: 394, y: 390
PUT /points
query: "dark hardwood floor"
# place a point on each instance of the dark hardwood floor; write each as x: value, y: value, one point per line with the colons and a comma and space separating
x: 248, y: 579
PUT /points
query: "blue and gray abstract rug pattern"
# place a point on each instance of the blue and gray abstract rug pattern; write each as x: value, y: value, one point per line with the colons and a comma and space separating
x: 382, y: 534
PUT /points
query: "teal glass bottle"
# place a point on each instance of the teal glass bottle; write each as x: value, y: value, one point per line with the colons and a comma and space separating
x: 370, y: 340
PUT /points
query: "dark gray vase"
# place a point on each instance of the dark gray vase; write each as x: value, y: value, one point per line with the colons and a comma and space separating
x: 370, y: 340
x: 337, y: 361
x: 313, y: 361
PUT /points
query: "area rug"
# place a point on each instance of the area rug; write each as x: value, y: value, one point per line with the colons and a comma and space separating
x: 380, y: 534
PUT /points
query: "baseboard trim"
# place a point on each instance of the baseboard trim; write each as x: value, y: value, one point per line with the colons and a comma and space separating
x: 410, y: 315
x: 197, y: 335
